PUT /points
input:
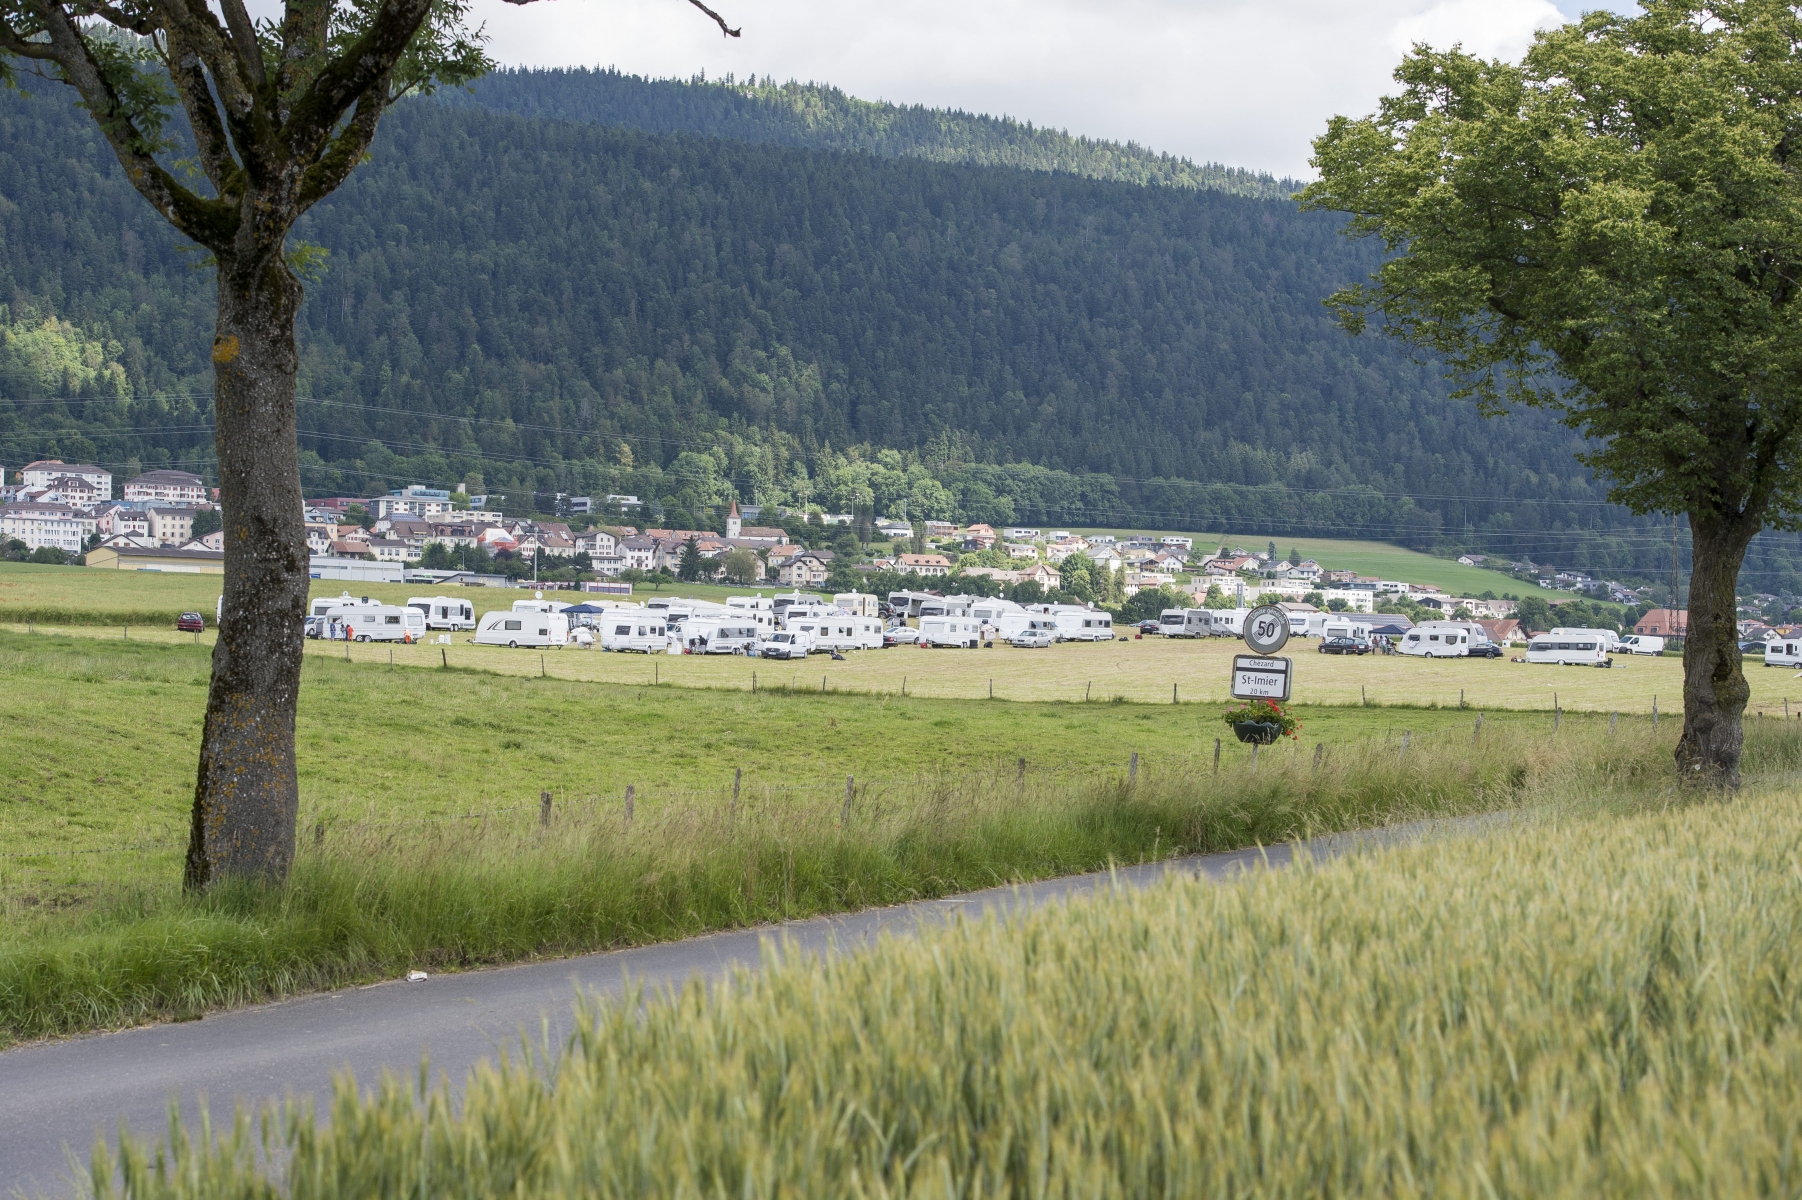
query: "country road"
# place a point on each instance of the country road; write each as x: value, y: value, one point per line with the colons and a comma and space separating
x: 57, y: 1097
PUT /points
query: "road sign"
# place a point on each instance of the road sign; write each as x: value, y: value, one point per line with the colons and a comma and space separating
x: 1266, y: 629
x: 1258, y: 678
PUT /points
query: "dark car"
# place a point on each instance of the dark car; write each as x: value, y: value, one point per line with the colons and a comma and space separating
x: 1752, y: 646
x: 1345, y: 645
x: 1149, y: 627
x: 190, y: 622
x: 1486, y: 650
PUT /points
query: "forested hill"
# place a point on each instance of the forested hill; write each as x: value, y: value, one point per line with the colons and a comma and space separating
x: 825, y: 118
x: 561, y: 306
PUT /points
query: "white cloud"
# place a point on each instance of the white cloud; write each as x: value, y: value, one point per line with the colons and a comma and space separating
x: 1235, y: 81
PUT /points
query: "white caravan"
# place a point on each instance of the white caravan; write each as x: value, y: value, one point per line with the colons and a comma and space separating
x: 1440, y: 639
x: 444, y: 612
x: 1023, y: 621
x: 523, y: 627
x: 1578, y: 651
x: 539, y: 605
x: 1642, y: 643
x: 794, y: 613
x: 1787, y: 653
x: 378, y: 623
x: 835, y: 630
x: 1185, y: 622
x: 1228, y: 622
x: 991, y: 609
x: 781, y: 602
x: 321, y: 605
x: 720, y: 635
x: 634, y: 629
x: 756, y: 609
x: 950, y: 631
x: 1332, y: 625
x: 1607, y: 637
x: 1082, y: 624
x: 858, y: 604
x: 948, y: 606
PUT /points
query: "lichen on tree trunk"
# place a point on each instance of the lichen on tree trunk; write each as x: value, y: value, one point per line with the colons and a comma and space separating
x: 1715, y: 690
x: 246, y: 797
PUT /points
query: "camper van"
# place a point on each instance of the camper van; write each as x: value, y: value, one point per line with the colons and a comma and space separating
x: 756, y: 609
x: 1185, y: 622
x: 989, y: 610
x: 444, y: 612
x: 836, y: 630
x: 948, y: 606
x: 735, y: 634
x: 781, y: 602
x: 1082, y: 624
x: 1441, y: 639
x: 907, y: 604
x: 1582, y: 649
x: 1641, y: 643
x: 634, y: 629
x: 787, y: 643
x: 950, y: 631
x: 1786, y: 653
x: 858, y: 604
x: 522, y: 627
x: 1332, y: 625
x: 378, y: 623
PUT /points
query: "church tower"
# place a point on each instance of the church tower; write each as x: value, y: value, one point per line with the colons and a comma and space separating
x: 733, y: 524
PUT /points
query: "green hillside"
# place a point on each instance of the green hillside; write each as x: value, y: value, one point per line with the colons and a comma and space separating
x: 824, y: 117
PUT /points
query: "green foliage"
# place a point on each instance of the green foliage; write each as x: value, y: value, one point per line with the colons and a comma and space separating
x: 1264, y: 712
x: 207, y: 520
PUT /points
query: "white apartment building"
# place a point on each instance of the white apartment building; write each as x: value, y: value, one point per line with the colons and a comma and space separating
x: 170, y: 526
x: 44, y: 472
x: 38, y: 525
x: 169, y: 487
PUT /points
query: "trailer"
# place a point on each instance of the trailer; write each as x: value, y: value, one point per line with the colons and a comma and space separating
x: 1442, y: 639
x: 835, y: 630
x: 378, y: 623
x: 445, y: 612
x: 523, y: 628
x: 1185, y: 622
x: 1569, y: 651
x: 959, y: 631
x: 733, y: 634
x: 1076, y: 624
x: 637, y: 630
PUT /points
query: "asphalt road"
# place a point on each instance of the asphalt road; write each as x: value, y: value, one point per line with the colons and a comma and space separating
x: 57, y: 1097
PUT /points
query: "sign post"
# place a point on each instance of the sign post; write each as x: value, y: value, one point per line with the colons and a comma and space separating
x: 1260, y: 675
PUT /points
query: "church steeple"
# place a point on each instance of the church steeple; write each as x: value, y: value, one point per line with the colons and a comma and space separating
x: 733, y: 524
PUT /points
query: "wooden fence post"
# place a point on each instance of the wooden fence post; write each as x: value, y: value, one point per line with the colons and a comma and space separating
x: 631, y: 796
x: 1216, y: 756
x: 444, y: 657
x: 1021, y: 777
x: 1319, y: 749
x: 1654, y: 712
x: 1132, y: 769
x: 738, y: 775
x: 1478, y: 731
x: 544, y: 808
x: 850, y: 790
x: 1406, y: 734
x: 1612, y: 718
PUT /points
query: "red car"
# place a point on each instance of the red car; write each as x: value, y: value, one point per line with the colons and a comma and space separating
x: 190, y: 622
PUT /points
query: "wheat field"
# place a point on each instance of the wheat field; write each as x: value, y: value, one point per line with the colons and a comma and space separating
x: 1569, y: 1005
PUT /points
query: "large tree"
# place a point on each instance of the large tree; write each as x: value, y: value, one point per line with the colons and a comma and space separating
x: 277, y: 114
x: 1612, y: 229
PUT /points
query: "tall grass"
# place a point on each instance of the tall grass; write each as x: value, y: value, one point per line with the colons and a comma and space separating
x: 373, y: 900
x: 1604, y: 1006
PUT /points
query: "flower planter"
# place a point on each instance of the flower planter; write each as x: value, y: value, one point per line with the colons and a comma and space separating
x: 1260, y: 732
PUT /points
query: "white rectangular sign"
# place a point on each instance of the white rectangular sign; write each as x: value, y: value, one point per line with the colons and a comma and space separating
x: 1261, y: 678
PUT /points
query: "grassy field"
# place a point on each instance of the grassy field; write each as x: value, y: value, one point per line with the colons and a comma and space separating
x: 1137, y: 671
x: 1569, y: 1006
x: 1381, y: 559
x: 422, y: 841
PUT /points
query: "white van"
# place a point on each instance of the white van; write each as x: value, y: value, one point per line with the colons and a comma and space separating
x: 444, y: 612
x: 1787, y: 653
x: 635, y: 629
x: 720, y: 635
x: 1578, y: 651
x: 522, y: 627
x: 1082, y: 624
x: 1642, y: 643
x: 950, y: 631
x: 1440, y: 639
x: 1185, y: 622
x: 787, y: 643
x: 379, y: 623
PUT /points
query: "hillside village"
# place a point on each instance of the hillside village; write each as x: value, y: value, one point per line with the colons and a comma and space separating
x: 169, y: 520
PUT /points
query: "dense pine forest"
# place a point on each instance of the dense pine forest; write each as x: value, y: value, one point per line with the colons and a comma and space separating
x: 549, y: 300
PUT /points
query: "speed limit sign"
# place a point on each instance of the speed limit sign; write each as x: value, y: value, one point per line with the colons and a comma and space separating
x: 1266, y: 629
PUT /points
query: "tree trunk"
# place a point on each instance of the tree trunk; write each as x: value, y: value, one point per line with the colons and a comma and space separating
x: 1714, y: 681
x: 246, y: 798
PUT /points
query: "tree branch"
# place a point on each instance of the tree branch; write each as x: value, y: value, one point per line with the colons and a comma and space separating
x: 725, y: 29
x: 350, y: 73
x: 244, y: 39
x: 346, y: 150
x: 210, y: 141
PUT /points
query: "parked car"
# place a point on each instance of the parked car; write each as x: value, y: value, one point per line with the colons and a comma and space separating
x: 1030, y: 639
x: 1344, y: 645
x: 1150, y: 627
x: 1752, y: 646
x: 1486, y: 650
x: 190, y: 622
x: 900, y: 635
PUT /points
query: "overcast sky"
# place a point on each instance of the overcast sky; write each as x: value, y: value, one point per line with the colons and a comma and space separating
x: 1244, y: 82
